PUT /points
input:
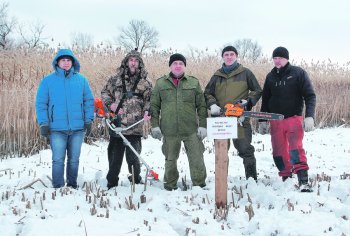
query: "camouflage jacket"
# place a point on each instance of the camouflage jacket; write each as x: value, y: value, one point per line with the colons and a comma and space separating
x: 135, y: 103
x: 178, y: 110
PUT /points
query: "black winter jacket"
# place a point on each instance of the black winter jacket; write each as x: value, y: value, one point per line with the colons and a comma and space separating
x: 285, y: 91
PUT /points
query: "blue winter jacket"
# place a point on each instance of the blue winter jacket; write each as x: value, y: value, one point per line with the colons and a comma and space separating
x: 64, y: 101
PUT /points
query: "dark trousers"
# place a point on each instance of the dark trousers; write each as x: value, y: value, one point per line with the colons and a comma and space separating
x: 116, y: 149
x: 246, y: 151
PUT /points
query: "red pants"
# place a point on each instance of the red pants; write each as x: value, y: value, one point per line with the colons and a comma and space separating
x: 287, y: 145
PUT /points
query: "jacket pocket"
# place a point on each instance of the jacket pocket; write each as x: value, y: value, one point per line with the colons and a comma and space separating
x: 189, y: 95
x: 167, y: 95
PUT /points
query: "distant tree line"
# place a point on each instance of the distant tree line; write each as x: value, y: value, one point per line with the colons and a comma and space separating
x: 136, y: 34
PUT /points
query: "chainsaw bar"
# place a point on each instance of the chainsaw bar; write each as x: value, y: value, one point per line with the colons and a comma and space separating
x: 263, y: 115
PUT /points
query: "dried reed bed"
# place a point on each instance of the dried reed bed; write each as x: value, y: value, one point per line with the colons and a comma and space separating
x: 22, y: 70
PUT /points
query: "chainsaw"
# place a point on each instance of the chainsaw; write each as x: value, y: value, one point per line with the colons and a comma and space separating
x: 100, y: 111
x: 237, y: 109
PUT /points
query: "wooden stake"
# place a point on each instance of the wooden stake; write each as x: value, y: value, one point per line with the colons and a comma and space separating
x: 221, y: 171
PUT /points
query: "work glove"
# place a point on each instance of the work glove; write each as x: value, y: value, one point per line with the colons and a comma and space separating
x: 146, y: 117
x: 87, y: 129
x: 309, y: 124
x: 156, y: 133
x: 215, y: 110
x: 263, y: 128
x: 45, y: 131
x: 201, y: 133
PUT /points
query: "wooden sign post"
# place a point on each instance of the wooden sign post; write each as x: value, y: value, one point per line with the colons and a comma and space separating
x: 221, y: 129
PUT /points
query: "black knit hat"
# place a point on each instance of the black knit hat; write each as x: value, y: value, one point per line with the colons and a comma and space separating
x: 280, y: 52
x: 229, y: 48
x: 177, y: 57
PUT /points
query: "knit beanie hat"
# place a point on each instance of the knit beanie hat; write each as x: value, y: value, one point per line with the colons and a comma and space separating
x: 280, y: 52
x: 229, y: 48
x: 177, y: 57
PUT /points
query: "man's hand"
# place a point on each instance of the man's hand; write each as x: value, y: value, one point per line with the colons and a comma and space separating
x: 156, y: 133
x: 113, y: 107
x: 309, y: 124
x: 215, y: 110
x: 44, y: 131
x: 263, y: 128
x: 146, y: 117
x: 201, y: 133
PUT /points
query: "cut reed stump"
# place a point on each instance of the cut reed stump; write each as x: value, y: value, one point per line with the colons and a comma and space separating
x: 221, y: 171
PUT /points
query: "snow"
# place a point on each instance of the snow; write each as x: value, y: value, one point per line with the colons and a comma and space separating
x: 279, y: 208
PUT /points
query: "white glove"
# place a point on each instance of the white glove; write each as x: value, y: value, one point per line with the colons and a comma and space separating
x: 201, y: 133
x: 263, y: 128
x: 309, y: 124
x: 215, y: 110
x: 156, y: 133
x: 243, y: 102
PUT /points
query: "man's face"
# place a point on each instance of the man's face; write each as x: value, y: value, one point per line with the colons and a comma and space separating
x: 280, y: 62
x: 177, y: 68
x: 65, y: 64
x: 229, y: 57
x: 133, y: 64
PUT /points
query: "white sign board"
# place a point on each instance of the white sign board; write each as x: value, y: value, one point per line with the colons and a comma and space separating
x: 222, y: 127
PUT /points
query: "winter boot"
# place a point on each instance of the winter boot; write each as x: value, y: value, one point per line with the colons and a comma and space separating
x: 303, y: 179
x: 250, y: 171
x: 138, y: 180
x: 284, y: 178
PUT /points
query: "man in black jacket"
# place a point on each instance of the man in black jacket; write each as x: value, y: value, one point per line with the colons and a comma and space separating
x: 285, y: 91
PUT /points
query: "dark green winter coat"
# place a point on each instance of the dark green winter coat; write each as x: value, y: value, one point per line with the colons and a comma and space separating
x: 178, y: 110
x: 226, y: 88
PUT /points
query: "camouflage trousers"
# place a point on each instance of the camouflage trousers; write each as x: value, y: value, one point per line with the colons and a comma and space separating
x: 194, y: 149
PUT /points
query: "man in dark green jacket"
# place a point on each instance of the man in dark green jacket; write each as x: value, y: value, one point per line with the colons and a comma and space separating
x: 179, y: 113
x: 229, y: 83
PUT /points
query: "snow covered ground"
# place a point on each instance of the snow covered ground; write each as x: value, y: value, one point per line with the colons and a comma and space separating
x: 279, y: 208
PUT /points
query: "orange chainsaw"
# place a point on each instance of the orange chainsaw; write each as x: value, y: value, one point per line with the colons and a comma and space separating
x: 237, y: 109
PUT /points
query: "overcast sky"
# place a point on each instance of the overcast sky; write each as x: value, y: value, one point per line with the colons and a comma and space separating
x: 309, y: 29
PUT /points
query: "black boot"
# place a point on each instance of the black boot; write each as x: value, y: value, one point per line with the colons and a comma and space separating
x: 303, y: 179
x: 250, y: 171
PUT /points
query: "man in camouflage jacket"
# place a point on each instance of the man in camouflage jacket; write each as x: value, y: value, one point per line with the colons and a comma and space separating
x: 179, y: 113
x: 232, y: 82
x: 127, y: 94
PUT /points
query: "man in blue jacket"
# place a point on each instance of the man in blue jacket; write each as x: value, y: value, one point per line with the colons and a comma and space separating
x: 65, y: 110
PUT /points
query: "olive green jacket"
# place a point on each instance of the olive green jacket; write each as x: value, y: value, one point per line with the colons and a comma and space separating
x: 178, y: 110
x: 226, y: 88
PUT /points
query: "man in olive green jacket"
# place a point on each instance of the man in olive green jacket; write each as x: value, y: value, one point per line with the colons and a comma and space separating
x: 179, y: 113
x: 230, y: 83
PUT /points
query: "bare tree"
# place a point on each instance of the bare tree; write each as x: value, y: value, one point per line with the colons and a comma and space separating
x: 138, y: 34
x: 33, y: 37
x: 7, y: 27
x: 82, y: 40
x: 248, y: 50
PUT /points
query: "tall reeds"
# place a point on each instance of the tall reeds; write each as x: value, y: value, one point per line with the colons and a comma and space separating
x: 21, y: 71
